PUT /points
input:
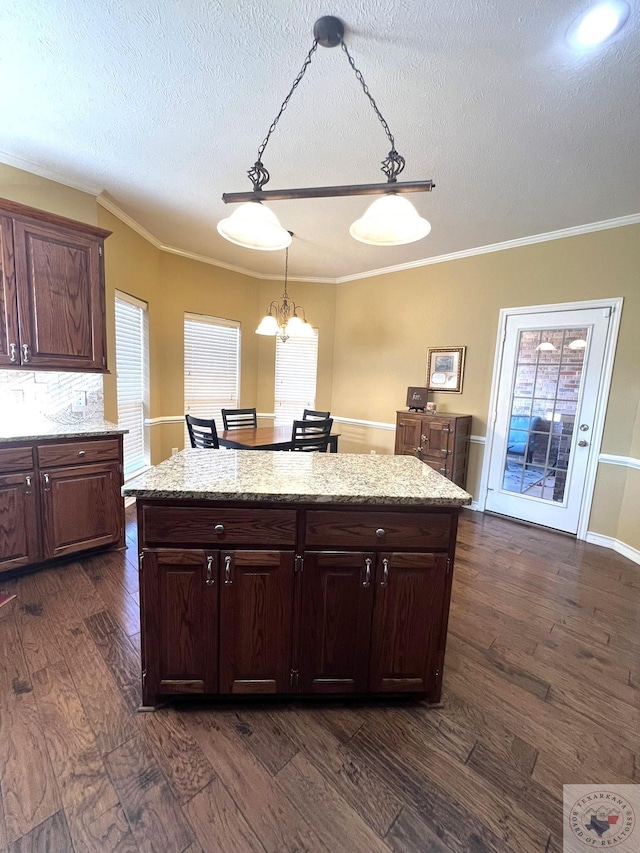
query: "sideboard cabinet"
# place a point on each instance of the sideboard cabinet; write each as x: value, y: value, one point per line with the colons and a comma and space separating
x: 58, y: 498
x: 439, y: 440
x: 52, y: 311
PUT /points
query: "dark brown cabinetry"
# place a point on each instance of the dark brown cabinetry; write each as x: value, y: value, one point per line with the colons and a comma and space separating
x: 52, y: 312
x: 352, y: 600
x: 55, y: 499
x: 441, y: 441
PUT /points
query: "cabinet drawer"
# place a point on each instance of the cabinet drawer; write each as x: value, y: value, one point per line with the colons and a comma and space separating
x: 73, y: 453
x: 378, y: 529
x: 16, y: 459
x: 207, y: 526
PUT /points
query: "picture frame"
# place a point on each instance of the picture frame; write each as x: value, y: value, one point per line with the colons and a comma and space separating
x: 445, y: 369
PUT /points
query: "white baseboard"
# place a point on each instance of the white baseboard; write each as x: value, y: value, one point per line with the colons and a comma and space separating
x: 627, y: 551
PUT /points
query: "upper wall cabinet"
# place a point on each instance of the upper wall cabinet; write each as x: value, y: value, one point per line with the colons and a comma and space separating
x: 52, y: 312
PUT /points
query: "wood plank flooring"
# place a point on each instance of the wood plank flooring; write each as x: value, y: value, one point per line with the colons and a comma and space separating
x: 541, y: 688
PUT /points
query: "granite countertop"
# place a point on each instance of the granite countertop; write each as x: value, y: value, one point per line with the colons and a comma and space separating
x: 343, y: 478
x: 43, y: 428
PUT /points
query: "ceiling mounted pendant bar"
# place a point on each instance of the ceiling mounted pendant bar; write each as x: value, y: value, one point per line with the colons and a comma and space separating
x: 387, y: 222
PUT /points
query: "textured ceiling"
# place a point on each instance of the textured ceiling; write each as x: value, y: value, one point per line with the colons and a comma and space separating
x: 162, y: 105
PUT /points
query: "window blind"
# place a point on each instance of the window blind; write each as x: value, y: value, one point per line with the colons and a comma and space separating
x: 132, y: 380
x: 296, y: 372
x: 211, y: 366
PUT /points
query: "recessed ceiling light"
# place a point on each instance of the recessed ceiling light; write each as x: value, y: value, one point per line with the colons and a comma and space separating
x: 598, y: 23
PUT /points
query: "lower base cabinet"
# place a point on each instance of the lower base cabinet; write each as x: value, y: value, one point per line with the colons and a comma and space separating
x: 58, y: 498
x: 296, y: 620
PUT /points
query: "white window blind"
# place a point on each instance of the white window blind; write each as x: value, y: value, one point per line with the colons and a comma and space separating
x: 132, y: 380
x: 211, y: 366
x: 296, y: 371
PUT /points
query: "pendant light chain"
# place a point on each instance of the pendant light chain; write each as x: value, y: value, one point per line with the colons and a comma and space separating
x: 285, y: 295
x: 392, y: 165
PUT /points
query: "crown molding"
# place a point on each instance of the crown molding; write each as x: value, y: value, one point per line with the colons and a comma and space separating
x: 119, y: 213
x: 605, y: 224
x: 49, y: 174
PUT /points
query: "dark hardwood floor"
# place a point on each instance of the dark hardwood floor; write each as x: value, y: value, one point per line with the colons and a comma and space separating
x: 541, y: 688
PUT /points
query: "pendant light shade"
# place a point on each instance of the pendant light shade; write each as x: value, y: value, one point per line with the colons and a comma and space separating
x: 390, y: 221
x: 268, y: 325
x: 254, y: 226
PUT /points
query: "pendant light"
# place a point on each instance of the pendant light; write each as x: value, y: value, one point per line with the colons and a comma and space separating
x: 283, y: 318
x: 389, y: 221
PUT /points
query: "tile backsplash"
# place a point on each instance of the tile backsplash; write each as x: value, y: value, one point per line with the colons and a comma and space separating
x: 64, y: 397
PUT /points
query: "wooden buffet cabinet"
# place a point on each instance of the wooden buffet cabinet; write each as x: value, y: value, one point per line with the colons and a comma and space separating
x: 52, y: 311
x: 58, y: 497
x: 439, y: 440
x: 293, y: 597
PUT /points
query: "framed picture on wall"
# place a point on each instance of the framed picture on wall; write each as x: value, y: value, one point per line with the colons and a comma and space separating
x: 445, y: 367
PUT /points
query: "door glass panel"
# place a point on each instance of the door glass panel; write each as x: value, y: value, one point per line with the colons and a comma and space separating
x: 544, y: 398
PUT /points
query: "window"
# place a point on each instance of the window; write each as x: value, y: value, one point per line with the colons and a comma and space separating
x: 296, y: 370
x: 211, y: 366
x: 132, y: 380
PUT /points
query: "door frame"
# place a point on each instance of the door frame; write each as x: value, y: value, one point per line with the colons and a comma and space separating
x: 613, y: 303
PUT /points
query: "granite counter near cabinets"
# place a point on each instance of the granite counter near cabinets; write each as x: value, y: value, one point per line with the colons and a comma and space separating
x: 254, y: 475
x: 43, y: 429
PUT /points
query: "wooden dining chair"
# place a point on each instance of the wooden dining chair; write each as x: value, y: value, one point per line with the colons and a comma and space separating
x: 312, y: 415
x: 311, y: 435
x: 202, y: 432
x: 239, y: 418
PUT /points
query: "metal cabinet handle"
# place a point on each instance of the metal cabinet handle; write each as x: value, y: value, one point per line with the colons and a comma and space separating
x: 82, y: 453
x: 27, y: 481
x: 47, y: 482
x: 417, y: 450
x: 385, y: 573
x: 424, y: 439
x: 443, y: 471
x: 13, y: 353
x: 219, y: 528
x: 210, y: 579
x: 25, y: 353
x: 380, y: 532
x: 367, y: 572
x: 227, y: 571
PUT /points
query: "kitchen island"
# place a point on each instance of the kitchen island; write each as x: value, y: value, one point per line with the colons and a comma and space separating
x: 294, y: 573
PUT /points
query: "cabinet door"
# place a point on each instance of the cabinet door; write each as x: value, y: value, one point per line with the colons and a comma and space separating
x: 408, y: 436
x: 19, y: 540
x: 337, y: 598
x: 81, y: 508
x: 179, y: 604
x: 408, y: 622
x: 437, y: 449
x: 9, y: 340
x: 256, y: 604
x: 60, y: 297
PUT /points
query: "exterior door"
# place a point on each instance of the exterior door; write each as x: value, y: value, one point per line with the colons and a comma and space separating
x: 180, y: 612
x: 547, y: 396
x: 408, y: 626
x: 256, y: 612
x: 337, y: 598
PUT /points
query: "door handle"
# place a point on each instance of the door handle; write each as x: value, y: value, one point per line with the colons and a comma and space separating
x: 367, y: 572
x: 584, y: 427
x: 385, y: 573
x: 582, y: 443
x: 210, y: 579
x: 227, y: 571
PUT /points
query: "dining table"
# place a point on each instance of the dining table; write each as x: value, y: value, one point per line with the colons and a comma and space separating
x: 265, y: 438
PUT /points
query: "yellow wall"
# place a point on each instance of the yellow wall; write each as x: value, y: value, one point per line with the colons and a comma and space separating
x: 384, y: 325
x: 25, y: 188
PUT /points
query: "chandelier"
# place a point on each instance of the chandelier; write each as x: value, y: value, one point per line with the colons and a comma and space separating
x: 283, y: 319
x: 389, y: 221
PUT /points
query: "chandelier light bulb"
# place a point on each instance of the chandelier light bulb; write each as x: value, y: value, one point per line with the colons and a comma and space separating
x: 268, y: 326
x: 254, y: 226
x: 390, y: 221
